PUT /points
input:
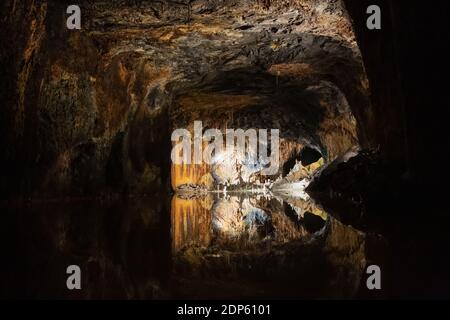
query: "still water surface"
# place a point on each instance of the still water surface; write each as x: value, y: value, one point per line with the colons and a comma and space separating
x: 240, y: 245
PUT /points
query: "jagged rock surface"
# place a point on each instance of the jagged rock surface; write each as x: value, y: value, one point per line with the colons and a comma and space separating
x: 85, y: 111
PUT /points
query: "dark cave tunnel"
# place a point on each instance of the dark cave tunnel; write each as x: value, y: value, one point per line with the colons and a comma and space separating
x: 89, y: 114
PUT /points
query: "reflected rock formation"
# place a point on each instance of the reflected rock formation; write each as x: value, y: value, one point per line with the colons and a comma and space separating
x: 191, y: 222
x: 250, y: 246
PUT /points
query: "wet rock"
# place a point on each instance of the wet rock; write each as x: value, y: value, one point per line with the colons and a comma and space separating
x: 86, y: 111
x: 355, y: 186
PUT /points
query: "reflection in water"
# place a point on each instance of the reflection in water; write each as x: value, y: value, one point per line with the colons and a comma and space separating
x: 241, y: 220
x: 245, y: 245
x: 191, y: 222
x: 234, y: 246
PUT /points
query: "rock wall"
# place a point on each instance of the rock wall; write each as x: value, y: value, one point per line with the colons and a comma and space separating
x: 87, y: 112
x: 406, y: 63
x: 76, y: 121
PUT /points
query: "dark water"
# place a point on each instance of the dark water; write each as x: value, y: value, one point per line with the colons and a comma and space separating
x: 214, y: 246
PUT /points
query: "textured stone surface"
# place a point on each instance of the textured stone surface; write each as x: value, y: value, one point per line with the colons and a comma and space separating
x: 406, y: 63
x: 90, y: 112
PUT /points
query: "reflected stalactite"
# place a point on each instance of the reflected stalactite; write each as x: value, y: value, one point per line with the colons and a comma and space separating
x: 191, y: 222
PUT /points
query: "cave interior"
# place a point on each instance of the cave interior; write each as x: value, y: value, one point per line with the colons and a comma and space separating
x: 87, y: 176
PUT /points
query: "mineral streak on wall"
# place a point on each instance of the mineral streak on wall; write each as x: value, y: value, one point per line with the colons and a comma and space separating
x: 190, y: 174
x: 191, y: 222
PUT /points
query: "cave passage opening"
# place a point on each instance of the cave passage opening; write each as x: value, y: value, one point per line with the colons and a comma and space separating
x: 313, y: 118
